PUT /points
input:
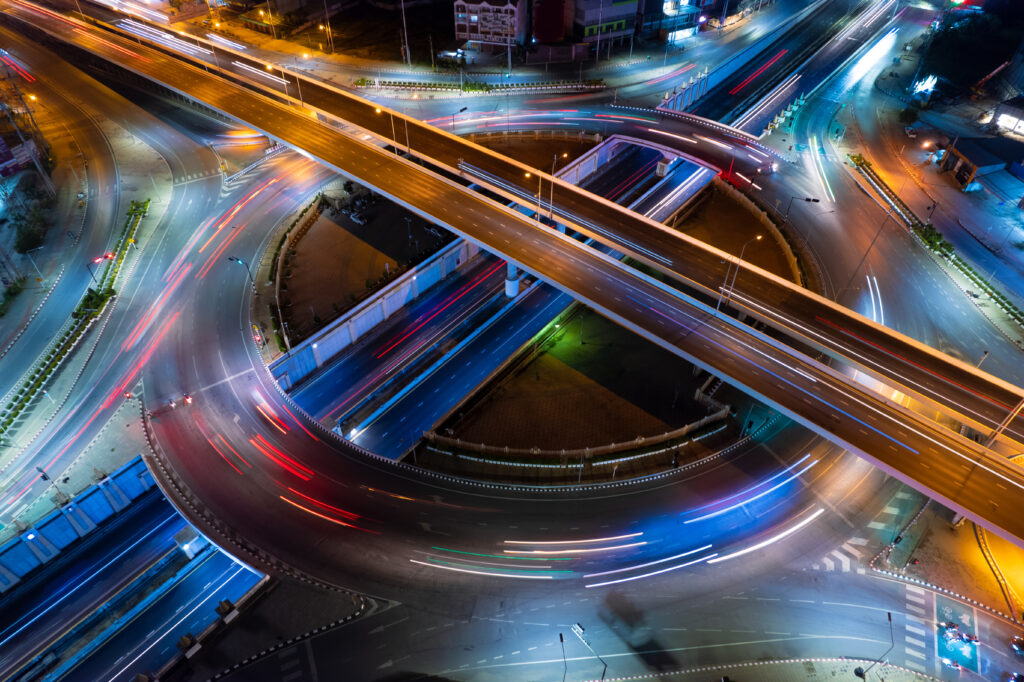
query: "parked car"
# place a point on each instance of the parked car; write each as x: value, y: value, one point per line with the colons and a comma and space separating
x: 358, y: 218
x: 911, y: 133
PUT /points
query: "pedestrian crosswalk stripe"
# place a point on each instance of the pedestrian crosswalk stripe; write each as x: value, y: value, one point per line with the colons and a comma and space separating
x: 875, y: 525
x: 916, y: 642
x: 914, y: 653
x: 916, y: 630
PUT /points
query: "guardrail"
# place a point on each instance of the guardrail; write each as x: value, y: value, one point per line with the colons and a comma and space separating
x: 476, y: 87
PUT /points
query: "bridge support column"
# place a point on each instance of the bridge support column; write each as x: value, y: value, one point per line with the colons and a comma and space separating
x: 512, y: 281
x: 662, y: 168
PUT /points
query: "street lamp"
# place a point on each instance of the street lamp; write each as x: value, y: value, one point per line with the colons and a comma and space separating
x: 46, y: 477
x: 295, y: 63
x: 394, y: 136
x: 725, y: 284
x: 863, y: 258
x: 456, y: 114
x: 95, y: 261
x: 247, y: 271
x: 539, y: 181
x: 33, y: 262
x: 863, y: 673
x: 551, y: 200
x: 790, y: 204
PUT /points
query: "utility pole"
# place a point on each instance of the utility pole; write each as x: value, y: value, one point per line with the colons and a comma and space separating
x: 405, y: 33
x: 270, y: 20
x: 327, y: 25
x: 39, y: 136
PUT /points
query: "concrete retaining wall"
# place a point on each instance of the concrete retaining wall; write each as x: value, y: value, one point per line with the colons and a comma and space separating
x: 308, y: 356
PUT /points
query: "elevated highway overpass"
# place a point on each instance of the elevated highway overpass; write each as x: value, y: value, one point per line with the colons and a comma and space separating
x: 941, y: 463
x: 956, y: 389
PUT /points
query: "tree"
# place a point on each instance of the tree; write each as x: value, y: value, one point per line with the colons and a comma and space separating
x: 908, y: 115
x: 30, y: 229
x: 966, y: 47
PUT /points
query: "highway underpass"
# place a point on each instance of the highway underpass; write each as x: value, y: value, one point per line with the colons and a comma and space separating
x: 958, y: 473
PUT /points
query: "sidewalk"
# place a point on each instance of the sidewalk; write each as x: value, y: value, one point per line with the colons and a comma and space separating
x: 804, y: 669
x: 139, y: 166
x: 120, y: 440
x: 70, y: 181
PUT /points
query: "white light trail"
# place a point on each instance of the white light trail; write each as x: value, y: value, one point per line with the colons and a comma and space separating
x: 761, y: 545
x: 572, y: 542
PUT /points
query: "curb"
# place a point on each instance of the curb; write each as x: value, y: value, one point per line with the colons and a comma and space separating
x: 34, y: 314
x: 753, y: 664
x: 294, y: 640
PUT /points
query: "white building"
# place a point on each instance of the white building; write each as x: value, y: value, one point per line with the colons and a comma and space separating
x: 490, y: 23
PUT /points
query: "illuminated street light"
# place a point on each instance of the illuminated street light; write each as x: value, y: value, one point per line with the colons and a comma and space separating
x: 725, y: 284
x: 394, y: 136
x: 247, y: 271
x: 95, y: 261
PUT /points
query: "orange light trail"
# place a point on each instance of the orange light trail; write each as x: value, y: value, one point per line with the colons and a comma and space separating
x: 324, y: 516
x: 148, y: 317
x: 239, y: 205
x: 347, y: 514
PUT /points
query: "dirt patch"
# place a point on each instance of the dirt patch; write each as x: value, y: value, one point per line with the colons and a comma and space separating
x: 596, y: 383
x: 728, y: 225
x: 339, y: 258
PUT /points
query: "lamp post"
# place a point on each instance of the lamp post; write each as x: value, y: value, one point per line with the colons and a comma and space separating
x: 96, y: 261
x: 247, y: 271
x: 405, y: 35
x: 539, y: 192
x: 394, y: 137
x: 807, y: 199
x: 456, y: 114
x: 551, y: 199
x: 725, y: 284
x: 33, y: 262
x: 46, y: 477
x: 327, y: 24
x: 863, y: 673
x: 863, y: 258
